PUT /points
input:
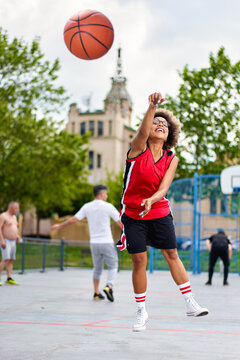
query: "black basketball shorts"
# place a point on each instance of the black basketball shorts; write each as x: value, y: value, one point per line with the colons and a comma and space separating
x: 138, y: 234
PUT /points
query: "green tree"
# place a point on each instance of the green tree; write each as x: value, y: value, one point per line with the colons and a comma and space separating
x: 61, y: 164
x: 208, y: 107
x: 114, y: 183
x: 82, y: 194
x: 40, y: 164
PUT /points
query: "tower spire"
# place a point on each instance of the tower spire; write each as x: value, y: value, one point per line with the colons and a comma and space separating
x: 118, y: 76
x: 118, y: 93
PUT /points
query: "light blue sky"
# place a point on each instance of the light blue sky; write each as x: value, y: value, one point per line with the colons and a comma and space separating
x: 157, y: 38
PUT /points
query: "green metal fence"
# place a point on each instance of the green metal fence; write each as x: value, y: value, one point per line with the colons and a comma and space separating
x: 38, y: 253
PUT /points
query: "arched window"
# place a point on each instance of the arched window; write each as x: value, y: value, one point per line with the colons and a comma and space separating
x: 100, y: 128
x: 91, y: 160
x: 82, y: 128
x: 91, y: 127
x: 99, y: 161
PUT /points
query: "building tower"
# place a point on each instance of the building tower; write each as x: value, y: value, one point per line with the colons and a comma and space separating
x: 111, y: 130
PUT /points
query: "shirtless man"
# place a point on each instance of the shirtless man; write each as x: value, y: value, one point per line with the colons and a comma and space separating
x: 8, y: 239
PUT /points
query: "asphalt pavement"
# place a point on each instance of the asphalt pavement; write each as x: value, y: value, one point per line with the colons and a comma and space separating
x: 52, y: 316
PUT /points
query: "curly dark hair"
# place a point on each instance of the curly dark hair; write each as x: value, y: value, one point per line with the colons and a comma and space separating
x: 173, y: 130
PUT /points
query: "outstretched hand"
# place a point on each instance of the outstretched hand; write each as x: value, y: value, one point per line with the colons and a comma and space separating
x: 148, y: 204
x: 54, y: 227
x: 156, y: 99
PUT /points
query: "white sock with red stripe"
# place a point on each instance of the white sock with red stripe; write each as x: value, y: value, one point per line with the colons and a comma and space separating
x: 140, y: 300
x: 185, y: 290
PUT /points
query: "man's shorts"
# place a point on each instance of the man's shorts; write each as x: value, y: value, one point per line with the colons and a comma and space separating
x: 138, y: 234
x: 9, y: 253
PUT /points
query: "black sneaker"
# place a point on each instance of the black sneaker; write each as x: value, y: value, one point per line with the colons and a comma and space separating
x: 109, y: 293
x: 98, y: 296
x: 225, y: 283
x: 208, y: 283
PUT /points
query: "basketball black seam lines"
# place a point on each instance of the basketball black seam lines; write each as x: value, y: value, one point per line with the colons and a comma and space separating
x: 94, y: 13
x: 80, y: 37
x: 80, y: 25
x: 77, y: 33
x: 85, y: 32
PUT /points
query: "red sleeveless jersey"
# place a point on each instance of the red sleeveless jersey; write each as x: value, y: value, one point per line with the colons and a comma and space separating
x: 142, y: 178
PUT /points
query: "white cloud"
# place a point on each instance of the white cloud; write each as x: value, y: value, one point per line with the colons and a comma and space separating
x: 157, y: 38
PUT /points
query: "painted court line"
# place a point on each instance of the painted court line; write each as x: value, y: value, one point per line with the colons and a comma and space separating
x: 97, y: 324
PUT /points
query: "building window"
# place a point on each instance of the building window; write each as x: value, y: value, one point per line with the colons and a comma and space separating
x: 91, y: 127
x: 99, y: 161
x: 100, y: 128
x: 110, y: 127
x: 91, y: 160
x: 73, y: 127
x: 82, y: 128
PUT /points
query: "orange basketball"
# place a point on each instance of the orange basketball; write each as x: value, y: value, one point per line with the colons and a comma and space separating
x: 88, y: 34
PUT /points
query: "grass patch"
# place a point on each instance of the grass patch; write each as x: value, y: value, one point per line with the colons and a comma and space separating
x: 204, y: 262
x: 80, y: 256
x: 159, y: 263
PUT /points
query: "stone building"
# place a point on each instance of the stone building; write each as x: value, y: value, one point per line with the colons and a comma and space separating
x: 111, y: 130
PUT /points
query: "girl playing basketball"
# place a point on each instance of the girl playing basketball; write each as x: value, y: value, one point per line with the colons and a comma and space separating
x: 146, y: 214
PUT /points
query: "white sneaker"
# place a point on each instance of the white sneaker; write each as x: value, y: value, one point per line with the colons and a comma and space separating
x: 142, y: 318
x: 194, y: 309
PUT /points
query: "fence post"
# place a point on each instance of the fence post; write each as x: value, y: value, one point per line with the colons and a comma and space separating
x: 23, y: 257
x: 238, y: 245
x: 44, y: 257
x: 62, y: 254
x: 195, y: 220
x: 199, y: 224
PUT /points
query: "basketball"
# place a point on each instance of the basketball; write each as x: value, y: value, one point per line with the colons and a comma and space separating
x: 88, y: 34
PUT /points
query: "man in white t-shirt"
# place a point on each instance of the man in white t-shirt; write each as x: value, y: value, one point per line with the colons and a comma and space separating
x: 99, y: 213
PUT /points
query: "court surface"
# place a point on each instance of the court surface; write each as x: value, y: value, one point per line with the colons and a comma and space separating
x: 52, y: 316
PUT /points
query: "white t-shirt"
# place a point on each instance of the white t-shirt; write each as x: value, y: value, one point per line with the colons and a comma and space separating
x: 98, y: 214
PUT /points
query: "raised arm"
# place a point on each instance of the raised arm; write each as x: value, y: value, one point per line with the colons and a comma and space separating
x: 70, y: 221
x: 140, y: 139
x: 163, y: 188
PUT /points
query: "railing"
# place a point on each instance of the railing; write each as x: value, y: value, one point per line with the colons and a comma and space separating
x: 39, y: 253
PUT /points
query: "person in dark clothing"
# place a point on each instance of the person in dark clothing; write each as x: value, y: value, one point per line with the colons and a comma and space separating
x: 219, y: 246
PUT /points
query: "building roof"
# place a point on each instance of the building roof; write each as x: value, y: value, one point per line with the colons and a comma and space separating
x: 92, y: 112
x: 130, y: 128
x: 118, y: 91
